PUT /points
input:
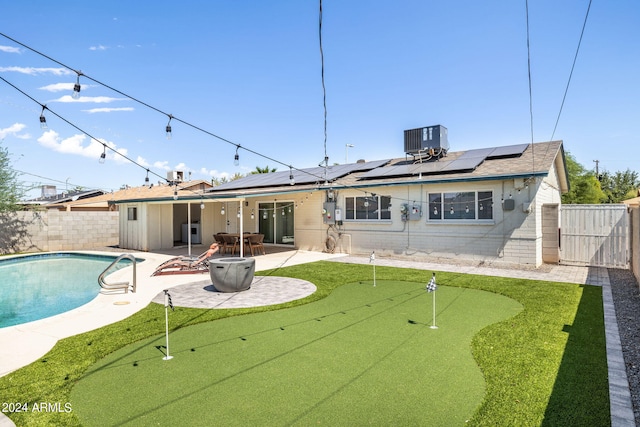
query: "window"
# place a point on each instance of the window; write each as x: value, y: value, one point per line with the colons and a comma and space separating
x: 469, y: 205
x: 132, y: 214
x: 370, y: 208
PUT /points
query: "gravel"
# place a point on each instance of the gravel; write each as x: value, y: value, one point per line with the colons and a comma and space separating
x: 626, y: 298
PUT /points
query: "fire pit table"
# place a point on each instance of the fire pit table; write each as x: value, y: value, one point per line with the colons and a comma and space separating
x: 232, y: 274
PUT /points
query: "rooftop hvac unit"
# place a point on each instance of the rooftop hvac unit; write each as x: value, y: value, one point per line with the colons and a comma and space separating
x: 428, y: 142
x: 175, y: 176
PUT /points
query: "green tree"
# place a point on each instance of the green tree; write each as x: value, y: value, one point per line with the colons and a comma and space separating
x: 584, y: 186
x: 619, y: 186
x: 266, y: 169
x: 12, y: 229
x: 10, y: 190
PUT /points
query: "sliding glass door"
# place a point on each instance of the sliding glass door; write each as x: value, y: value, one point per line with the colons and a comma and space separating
x: 276, y: 222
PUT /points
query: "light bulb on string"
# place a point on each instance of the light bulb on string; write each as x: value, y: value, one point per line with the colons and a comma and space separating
x: 43, y: 119
x: 264, y: 214
x: 252, y: 214
x: 201, y: 204
x: 291, y: 180
x: 146, y: 179
x: 103, y: 156
x: 222, y: 210
x: 236, y: 158
x: 76, y: 87
x: 435, y: 210
x: 168, y: 128
x: 175, y: 194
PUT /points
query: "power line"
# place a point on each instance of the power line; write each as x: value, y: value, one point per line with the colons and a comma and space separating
x: 584, y: 24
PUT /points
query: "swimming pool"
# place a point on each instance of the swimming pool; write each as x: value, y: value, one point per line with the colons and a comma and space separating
x: 34, y: 287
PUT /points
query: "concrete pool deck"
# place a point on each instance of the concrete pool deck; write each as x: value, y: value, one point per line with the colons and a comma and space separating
x: 26, y: 343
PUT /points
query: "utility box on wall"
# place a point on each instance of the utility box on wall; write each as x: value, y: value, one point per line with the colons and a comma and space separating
x: 410, y: 212
x: 329, y: 212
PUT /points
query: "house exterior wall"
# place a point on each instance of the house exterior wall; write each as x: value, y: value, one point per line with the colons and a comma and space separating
x: 513, y: 236
x: 55, y: 230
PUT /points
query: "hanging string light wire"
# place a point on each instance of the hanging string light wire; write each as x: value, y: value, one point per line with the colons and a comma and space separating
x: 575, y: 58
x: 324, y: 89
x: 533, y: 164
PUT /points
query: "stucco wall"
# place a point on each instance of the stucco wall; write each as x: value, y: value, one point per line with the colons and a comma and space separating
x: 55, y: 230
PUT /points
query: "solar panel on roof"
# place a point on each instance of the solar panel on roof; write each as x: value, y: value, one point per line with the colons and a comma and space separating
x: 509, y: 150
x: 463, y: 163
x: 303, y: 176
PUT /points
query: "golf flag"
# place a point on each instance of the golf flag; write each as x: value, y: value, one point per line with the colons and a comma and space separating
x: 431, y: 286
x: 372, y: 257
x: 167, y: 299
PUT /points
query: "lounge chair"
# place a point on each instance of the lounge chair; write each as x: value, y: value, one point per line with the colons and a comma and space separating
x: 186, y: 265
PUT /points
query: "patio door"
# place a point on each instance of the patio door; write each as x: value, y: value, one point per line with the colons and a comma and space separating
x: 276, y: 222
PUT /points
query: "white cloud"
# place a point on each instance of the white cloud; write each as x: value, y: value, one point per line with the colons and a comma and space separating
x: 142, y: 162
x: 76, y: 144
x: 214, y: 173
x: 9, y: 49
x: 32, y: 71
x: 95, y: 99
x: 14, y: 130
x: 162, y: 165
x: 107, y: 110
x: 99, y: 47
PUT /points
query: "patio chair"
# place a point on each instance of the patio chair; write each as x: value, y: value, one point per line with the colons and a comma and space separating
x: 230, y: 243
x: 187, y: 265
x: 255, y: 243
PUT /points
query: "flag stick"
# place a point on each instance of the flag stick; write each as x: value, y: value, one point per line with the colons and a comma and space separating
x: 372, y: 259
x: 167, y: 300
x: 433, y: 326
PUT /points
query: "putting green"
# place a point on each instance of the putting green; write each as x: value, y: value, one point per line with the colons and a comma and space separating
x: 363, y: 355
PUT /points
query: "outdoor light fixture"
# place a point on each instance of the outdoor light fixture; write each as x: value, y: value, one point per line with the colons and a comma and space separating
x: 43, y: 119
x: 252, y: 214
x: 238, y: 213
x: 291, y: 180
x: 175, y: 194
x: 76, y: 87
x: 168, y: 128
x: 146, y: 179
x: 201, y: 204
x: 236, y: 158
x: 264, y: 214
x: 103, y: 156
x: 222, y: 210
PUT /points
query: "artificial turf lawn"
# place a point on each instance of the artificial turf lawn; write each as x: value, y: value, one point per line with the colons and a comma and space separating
x: 363, y: 355
x: 545, y: 366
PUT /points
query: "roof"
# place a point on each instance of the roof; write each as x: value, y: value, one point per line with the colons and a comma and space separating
x: 144, y: 192
x: 494, y: 163
x: 65, y: 196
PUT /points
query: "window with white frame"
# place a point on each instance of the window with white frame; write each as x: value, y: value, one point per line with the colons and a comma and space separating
x: 463, y: 205
x: 132, y: 213
x: 369, y: 208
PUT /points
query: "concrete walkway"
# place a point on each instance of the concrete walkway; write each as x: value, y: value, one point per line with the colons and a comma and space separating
x: 32, y: 340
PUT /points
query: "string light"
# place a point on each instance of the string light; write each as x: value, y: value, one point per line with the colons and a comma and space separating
x: 201, y: 204
x: 252, y: 214
x: 168, y: 128
x: 146, y: 179
x: 175, y: 193
x: 222, y: 210
x: 103, y: 156
x: 291, y: 180
x: 43, y: 119
x: 76, y: 87
x: 236, y: 158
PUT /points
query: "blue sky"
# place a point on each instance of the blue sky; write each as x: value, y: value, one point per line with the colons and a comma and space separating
x: 250, y: 73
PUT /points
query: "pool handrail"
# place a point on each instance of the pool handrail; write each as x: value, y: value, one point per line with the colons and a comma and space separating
x: 119, y: 285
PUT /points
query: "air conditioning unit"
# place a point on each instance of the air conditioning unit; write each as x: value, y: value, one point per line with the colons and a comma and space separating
x: 175, y: 176
x: 432, y: 140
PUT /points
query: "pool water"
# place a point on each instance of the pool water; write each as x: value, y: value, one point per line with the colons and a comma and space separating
x: 39, y: 286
